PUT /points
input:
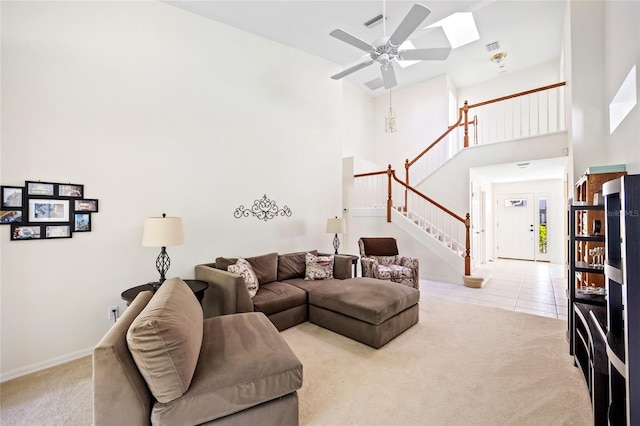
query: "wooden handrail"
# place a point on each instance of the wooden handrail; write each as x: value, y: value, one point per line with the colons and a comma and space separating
x: 425, y: 197
x: 384, y: 172
x: 515, y: 95
x: 458, y: 123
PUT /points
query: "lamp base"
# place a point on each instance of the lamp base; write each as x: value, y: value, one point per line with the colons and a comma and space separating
x: 162, y: 265
x: 336, y: 243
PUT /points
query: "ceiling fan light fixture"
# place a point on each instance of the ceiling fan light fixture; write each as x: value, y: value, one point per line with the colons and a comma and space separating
x: 496, y: 58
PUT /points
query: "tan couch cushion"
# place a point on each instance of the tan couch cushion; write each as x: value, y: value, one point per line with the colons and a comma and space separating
x: 265, y: 266
x: 116, y: 379
x: 244, y: 361
x: 165, y: 340
x: 277, y: 297
x: 367, y: 299
x: 292, y: 265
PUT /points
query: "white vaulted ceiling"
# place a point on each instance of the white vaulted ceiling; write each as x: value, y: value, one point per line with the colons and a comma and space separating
x: 529, y: 31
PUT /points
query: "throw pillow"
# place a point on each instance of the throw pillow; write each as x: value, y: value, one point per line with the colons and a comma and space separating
x: 292, y: 265
x: 165, y: 340
x: 244, y: 269
x: 318, y: 267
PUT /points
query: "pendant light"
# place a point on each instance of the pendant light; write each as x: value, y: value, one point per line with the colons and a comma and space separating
x: 390, y: 119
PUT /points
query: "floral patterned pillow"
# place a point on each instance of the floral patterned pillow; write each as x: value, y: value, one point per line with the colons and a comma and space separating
x: 318, y: 267
x: 244, y: 269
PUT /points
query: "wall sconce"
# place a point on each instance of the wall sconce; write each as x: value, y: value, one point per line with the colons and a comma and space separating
x: 336, y: 226
x: 162, y: 232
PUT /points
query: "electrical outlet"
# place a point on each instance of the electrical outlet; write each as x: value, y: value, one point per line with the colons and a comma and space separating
x: 112, y: 313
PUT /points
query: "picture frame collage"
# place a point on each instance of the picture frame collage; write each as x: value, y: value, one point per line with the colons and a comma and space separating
x: 45, y: 210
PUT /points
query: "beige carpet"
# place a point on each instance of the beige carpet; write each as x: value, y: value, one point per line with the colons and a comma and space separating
x: 462, y: 364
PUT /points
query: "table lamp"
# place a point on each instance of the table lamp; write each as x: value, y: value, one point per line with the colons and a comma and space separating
x: 162, y: 232
x: 336, y: 226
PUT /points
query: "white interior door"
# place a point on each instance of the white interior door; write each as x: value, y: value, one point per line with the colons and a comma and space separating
x: 516, y: 226
x: 477, y: 225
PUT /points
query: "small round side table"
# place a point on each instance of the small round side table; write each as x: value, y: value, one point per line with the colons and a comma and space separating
x: 198, y: 287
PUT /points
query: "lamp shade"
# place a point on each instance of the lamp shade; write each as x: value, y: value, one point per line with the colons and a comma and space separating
x: 336, y: 226
x: 162, y: 232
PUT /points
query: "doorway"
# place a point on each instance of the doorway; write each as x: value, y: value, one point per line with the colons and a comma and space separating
x: 478, y: 252
x: 515, y: 226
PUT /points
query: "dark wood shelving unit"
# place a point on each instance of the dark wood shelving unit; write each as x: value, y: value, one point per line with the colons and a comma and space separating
x: 622, y: 280
x: 587, y: 313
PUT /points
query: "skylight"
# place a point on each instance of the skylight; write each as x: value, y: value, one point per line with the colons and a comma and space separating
x: 460, y: 28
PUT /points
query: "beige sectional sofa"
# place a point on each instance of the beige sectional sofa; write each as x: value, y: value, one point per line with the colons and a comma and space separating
x: 162, y: 363
x: 368, y: 310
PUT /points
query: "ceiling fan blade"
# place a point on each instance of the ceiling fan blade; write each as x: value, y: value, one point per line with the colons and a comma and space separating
x: 414, y: 18
x: 388, y: 76
x: 374, y: 84
x: 352, y: 69
x: 352, y: 40
x: 431, y: 54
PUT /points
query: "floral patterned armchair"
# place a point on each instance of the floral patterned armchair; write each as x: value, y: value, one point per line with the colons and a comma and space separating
x: 380, y: 259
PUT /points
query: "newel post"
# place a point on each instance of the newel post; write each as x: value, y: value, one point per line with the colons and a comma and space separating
x: 389, y: 201
x: 406, y: 190
x: 467, y: 256
x: 465, y: 110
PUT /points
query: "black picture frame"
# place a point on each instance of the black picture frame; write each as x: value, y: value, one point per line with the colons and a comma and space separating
x: 40, y: 189
x: 12, y: 197
x: 57, y: 230
x: 8, y: 216
x: 70, y: 190
x: 48, y: 210
x: 82, y: 222
x: 86, y: 205
x: 21, y: 232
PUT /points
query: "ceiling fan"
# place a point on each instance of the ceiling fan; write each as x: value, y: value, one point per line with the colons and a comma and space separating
x: 385, y: 50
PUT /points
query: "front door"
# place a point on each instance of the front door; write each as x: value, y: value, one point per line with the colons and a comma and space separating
x: 516, y: 226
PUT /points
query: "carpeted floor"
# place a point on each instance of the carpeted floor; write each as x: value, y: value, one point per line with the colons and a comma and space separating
x: 462, y: 364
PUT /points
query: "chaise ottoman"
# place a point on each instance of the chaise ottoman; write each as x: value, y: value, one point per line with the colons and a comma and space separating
x: 368, y: 310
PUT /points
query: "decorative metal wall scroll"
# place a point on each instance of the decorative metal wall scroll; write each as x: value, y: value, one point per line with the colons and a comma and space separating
x: 45, y: 210
x: 263, y: 209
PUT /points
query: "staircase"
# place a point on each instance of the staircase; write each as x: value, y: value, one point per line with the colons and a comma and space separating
x: 530, y: 123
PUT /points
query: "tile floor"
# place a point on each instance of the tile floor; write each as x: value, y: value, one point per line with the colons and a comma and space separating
x: 533, y: 287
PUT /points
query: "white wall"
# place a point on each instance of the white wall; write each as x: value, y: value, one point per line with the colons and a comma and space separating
x: 421, y: 118
x: 622, y: 52
x: 154, y: 110
x: 510, y: 83
x: 358, y: 123
x: 585, y: 62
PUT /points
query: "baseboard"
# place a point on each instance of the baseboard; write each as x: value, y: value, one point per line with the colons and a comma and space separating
x: 10, y: 375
